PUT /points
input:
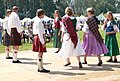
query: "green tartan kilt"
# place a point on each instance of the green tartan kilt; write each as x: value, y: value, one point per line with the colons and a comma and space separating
x: 57, y: 39
x: 112, y: 45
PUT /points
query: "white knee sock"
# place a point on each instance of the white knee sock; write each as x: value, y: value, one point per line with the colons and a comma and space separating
x: 15, y: 55
x: 7, y: 52
x: 40, y: 63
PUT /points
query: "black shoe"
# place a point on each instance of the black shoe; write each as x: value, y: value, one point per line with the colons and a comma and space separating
x: 16, y: 61
x: 44, y: 71
x: 115, y: 61
x: 80, y: 65
x: 110, y: 60
x: 57, y: 51
x: 84, y: 62
x: 9, y: 58
x: 100, y: 63
x: 67, y: 64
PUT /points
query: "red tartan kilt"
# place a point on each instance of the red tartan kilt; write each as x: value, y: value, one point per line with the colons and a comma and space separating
x: 37, y: 46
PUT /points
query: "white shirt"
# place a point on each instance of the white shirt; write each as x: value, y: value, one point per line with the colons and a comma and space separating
x: 85, y: 28
x: 14, y: 22
x: 38, y: 28
x: 5, y: 24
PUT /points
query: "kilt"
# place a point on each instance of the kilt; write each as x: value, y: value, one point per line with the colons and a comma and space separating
x: 15, y: 37
x: 37, y: 46
x: 6, y: 39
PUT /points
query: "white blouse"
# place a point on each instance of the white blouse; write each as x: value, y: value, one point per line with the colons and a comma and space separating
x: 85, y: 28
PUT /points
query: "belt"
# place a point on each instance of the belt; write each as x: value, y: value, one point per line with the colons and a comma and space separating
x: 35, y: 34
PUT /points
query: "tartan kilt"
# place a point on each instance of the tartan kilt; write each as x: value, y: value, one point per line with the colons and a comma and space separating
x: 6, y: 39
x: 37, y: 46
x: 15, y: 37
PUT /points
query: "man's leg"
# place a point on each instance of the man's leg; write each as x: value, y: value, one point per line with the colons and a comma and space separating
x: 15, y: 52
x: 7, y: 52
x: 40, y: 64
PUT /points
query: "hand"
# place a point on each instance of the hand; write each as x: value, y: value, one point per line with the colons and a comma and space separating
x: 68, y: 39
x: 43, y: 45
x: 59, y: 33
x: 21, y: 34
x: 108, y: 33
x: 61, y: 40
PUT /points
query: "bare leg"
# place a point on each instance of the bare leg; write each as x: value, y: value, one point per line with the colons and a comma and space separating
x: 78, y: 58
x: 100, y: 61
x: 85, y: 59
x: 110, y: 60
x: 115, y: 59
x: 68, y: 62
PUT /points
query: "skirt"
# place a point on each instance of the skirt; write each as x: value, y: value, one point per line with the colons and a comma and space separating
x: 91, y: 46
x: 57, y: 39
x: 6, y: 39
x: 67, y: 50
x: 15, y: 37
x: 37, y: 45
x: 112, y: 45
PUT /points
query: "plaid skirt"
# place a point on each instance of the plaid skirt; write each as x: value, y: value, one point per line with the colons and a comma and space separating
x: 37, y: 46
x: 15, y: 37
x: 6, y: 39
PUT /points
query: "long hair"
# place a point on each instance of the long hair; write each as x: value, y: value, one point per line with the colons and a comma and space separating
x: 110, y: 13
x: 56, y: 11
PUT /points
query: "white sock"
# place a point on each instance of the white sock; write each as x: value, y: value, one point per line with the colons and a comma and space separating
x: 40, y: 63
x: 15, y: 55
x: 7, y: 52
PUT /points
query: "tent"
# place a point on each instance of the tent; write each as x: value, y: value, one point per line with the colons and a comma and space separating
x: 101, y: 17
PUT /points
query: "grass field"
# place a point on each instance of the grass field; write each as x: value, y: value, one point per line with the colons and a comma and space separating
x: 27, y: 46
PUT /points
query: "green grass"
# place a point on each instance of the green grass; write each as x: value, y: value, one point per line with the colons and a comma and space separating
x: 50, y: 45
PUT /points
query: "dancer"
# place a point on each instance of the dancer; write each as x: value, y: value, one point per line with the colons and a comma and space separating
x: 92, y: 40
x: 110, y: 38
x: 6, y: 37
x: 15, y: 32
x: 39, y: 42
x: 71, y: 44
x: 57, y: 32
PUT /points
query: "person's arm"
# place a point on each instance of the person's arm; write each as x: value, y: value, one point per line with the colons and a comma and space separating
x: 85, y: 28
x: 41, y: 32
x: 18, y: 24
x: 104, y: 24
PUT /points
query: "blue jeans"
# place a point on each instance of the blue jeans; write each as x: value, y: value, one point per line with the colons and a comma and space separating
x: 0, y: 37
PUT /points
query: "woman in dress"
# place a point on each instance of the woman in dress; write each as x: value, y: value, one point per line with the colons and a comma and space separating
x: 57, y: 32
x: 71, y: 45
x: 92, y: 40
x: 110, y: 38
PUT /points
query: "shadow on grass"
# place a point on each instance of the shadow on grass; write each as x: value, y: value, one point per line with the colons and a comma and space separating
x: 65, y: 73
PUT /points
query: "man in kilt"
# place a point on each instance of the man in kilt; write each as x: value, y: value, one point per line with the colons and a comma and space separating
x: 39, y: 42
x: 15, y: 32
x: 6, y: 37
